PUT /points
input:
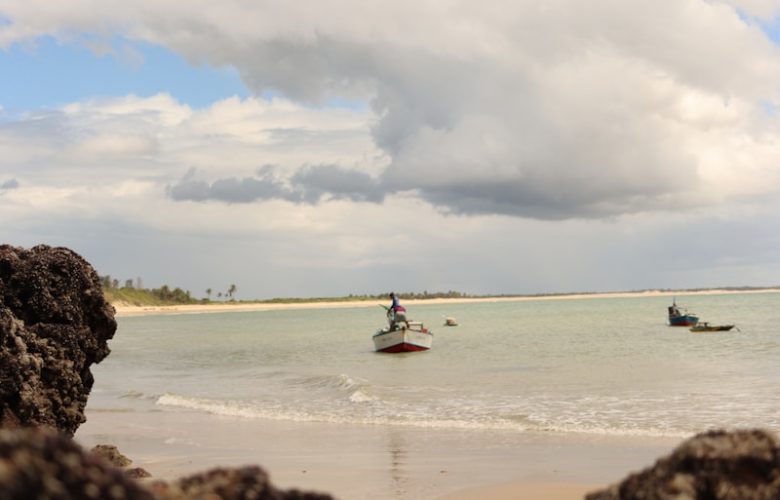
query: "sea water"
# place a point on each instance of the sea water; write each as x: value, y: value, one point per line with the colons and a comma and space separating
x: 607, y: 366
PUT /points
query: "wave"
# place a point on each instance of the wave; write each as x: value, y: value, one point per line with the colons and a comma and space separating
x: 354, y: 389
x: 341, y: 381
x: 407, y: 417
x: 134, y: 395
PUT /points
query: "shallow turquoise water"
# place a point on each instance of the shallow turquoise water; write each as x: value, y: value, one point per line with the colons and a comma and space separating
x: 600, y: 365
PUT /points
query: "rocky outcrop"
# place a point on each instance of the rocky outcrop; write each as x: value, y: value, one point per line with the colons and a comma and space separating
x: 111, y: 454
x: 738, y: 465
x: 54, y: 324
x: 41, y: 463
x: 236, y: 483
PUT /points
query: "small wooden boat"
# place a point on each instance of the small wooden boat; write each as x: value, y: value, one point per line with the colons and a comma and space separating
x: 706, y: 327
x: 450, y: 321
x: 402, y: 334
x: 410, y: 337
x: 680, y: 318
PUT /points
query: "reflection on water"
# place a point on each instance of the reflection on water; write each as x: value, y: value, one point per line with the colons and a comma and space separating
x: 398, y: 474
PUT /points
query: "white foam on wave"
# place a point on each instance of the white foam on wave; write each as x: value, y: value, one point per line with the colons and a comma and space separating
x: 345, y: 381
x: 244, y: 410
x: 209, y: 406
x: 406, y: 416
x: 656, y: 432
x: 359, y: 396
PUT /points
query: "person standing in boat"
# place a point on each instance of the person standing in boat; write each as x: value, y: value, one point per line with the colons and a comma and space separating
x: 396, y: 313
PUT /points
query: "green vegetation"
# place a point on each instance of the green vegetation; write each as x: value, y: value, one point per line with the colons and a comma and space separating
x: 136, y: 295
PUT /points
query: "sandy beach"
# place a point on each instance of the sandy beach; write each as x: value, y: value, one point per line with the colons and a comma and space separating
x: 360, y: 462
x: 131, y: 310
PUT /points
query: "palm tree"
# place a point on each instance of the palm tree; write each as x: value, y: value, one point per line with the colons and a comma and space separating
x: 231, y: 291
x: 208, y: 293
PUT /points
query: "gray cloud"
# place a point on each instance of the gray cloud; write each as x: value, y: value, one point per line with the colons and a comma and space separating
x: 231, y: 190
x: 8, y: 185
x: 557, y: 113
x: 569, y: 110
x: 309, y: 184
x: 330, y: 181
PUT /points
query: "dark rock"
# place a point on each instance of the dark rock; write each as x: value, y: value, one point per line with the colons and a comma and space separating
x: 743, y: 464
x: 41, y: 463
x: 111, y: 454
x: 54, y: 324
x: 249, y: 482
x: 137, y: 473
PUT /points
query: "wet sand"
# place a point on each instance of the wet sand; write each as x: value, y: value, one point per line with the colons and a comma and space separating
x: 371, y: 461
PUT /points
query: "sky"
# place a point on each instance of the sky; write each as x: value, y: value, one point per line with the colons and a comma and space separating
x: 325, y: 148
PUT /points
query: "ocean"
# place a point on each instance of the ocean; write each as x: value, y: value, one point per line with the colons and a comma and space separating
x: 595, y: 366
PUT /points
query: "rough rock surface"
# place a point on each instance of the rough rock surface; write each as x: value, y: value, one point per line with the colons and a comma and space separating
x: 137, y: 473
x: 41, y: 463
x: 743, y: 464
x: 111, y: 454
x: 54, y: 324
x: 249, y: 482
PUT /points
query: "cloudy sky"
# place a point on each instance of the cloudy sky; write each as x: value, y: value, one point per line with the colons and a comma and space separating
x: 321, y: 148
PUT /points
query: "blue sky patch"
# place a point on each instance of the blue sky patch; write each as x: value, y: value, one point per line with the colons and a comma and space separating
x: 772, y: 30
x: 48, y: 73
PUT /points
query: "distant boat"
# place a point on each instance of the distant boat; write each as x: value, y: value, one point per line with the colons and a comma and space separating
x: 706, y: 327
x: 450, y: 321
x: 679, y: 318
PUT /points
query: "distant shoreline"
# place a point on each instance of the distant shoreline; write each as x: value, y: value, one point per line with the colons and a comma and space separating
x: 132, y: 310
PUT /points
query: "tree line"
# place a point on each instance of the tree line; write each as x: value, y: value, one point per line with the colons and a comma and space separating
x: 134, y: 290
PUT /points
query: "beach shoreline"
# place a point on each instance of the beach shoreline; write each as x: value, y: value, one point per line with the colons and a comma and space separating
x: 223, y: 307
x: 378, y: 462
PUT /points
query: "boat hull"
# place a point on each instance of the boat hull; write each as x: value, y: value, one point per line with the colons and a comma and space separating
x: 402, y: 340
x: 712, y: 328
x: 684, y: 320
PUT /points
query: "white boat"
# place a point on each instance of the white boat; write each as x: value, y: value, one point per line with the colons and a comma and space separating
x: 404, y: 338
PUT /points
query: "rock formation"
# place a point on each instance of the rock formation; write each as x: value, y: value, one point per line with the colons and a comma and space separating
x: 738, y: 465
x: 41, y: 463
x: 54, y: 324
x: 111, y: 454
x: 236, y: 483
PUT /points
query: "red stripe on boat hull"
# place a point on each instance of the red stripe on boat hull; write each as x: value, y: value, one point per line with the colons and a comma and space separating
x: 403, y: 348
